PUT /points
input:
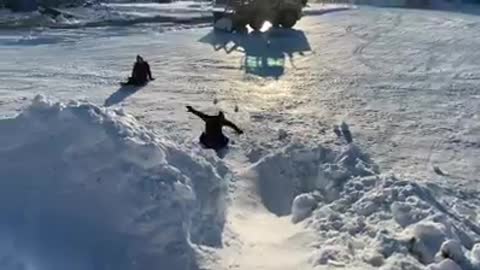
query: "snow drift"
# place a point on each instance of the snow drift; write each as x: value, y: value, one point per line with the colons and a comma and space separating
x: 366, y: 219
x: 89, y: 188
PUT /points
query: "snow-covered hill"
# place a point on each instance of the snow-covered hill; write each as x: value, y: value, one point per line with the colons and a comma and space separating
x: 87, y: 188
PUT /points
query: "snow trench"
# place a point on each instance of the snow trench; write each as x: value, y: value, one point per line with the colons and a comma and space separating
x: 82, y: 187
x: 298, y: 169
x: 367, y: 219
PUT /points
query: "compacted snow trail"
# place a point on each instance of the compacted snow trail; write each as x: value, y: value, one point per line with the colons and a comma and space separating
x: 255, y: 238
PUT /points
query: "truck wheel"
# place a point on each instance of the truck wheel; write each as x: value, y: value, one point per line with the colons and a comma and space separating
x: 288, y: 19
x: 275, y: 23
x: 217, y: 16
x: 256, y: 23
x: 240, y: 26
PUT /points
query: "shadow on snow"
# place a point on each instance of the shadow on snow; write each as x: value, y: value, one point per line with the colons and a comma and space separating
x: 265, y: 53
x: 121, y: 94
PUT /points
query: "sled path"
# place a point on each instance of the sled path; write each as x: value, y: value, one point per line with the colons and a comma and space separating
x: 253, y: 237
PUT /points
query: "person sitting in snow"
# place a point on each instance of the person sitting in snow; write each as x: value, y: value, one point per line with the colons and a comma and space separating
x: 213, y: 136
x: 141, y: 73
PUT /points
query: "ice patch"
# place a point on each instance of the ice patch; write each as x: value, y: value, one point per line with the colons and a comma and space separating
x: 84, y: 187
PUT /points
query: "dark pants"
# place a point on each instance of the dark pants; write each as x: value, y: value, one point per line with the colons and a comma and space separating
x: 132, y: 81
x: 214, y: 142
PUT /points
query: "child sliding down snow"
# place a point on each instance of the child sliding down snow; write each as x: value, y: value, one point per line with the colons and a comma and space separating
x: 213, y: 136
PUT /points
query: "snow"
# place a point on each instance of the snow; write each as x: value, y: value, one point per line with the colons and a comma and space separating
x: 303, y: 206
x: 445, y: 265
x: 127, y: 14
x: 369, y: 206
x: 111, y: 14
x: 360, y: 214
x: 293, y: 192
x: 475, y: 255
x: 96, y: 190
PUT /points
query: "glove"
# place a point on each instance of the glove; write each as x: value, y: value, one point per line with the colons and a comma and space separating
x: 240, y: 132
x: 189, y: 109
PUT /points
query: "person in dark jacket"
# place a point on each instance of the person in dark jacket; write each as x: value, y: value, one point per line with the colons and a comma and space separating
x: 213, y: 136
x: 141, y: 73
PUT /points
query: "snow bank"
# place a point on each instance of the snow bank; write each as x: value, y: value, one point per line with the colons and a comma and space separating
x: 109, y: 14
x: 363, y: 218
x: 88, y: 188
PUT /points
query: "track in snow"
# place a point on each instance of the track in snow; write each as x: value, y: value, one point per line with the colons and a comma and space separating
x: 254, y: 237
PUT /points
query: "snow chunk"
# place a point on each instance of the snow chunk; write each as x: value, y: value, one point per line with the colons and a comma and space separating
x: 84, y: 187
x: 331, y: 255
x: 427, y: 240
x: 375, y: 259
x: 445, y: 265
x: 407, y: 213
x: 454, y: 250
x: 303, y: 206
x: 475, y: 256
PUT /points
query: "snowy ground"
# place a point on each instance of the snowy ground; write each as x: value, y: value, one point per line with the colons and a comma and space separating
x: 127, y: 14
x: 406, y: 82
x: 120, y: 14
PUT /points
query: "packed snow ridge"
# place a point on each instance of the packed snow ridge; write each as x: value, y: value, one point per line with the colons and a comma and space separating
x: 83, y: 187
x: 366, y: 219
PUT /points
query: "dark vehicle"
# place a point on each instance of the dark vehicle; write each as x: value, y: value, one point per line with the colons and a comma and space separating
x: 280, y: 13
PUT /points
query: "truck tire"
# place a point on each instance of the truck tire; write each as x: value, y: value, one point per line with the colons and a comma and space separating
x: 240, y: 26
x: 288, y: 19
x: 217, y: 16
x: 275, y: 24
x: 256, y: 22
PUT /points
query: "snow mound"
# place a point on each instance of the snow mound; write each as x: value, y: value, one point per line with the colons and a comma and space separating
x: 386, y: 222
x: 298, y: 169
x: 84, y: 187
x: 364, y: 218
